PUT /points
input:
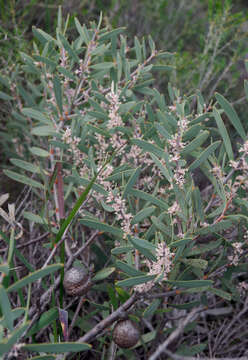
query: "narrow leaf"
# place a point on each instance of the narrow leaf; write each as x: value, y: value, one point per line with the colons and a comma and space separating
x: 37, y: 115
x: 143, y: 214
x: 223, y: 133
x: 58, y: 93
x: 103, y: 274
x: 102, y: 227
x: 38, y: 151
x: 58, y: 348
x: 23, y: 179
x: 25, y: 165
x: 128, y: 269
x: 135, y: 280
x: 34, y: 276
x: 45, y: 320
x: 131, y: 182
x: 6, y: 308
x: 204, y: 155
x: 191, y: 283
x: 232, y: 115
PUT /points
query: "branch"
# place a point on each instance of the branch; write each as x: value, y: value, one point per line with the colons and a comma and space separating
x: 191, y: 316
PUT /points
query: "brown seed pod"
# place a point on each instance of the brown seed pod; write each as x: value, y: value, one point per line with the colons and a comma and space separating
x: 126, y: 334
x: 76, y: 281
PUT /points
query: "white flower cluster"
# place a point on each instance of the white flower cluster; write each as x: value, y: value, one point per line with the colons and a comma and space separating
x: 73, y: 142
x: 161, y: 266
x: 119, y: 206
x: 238, y: 251
x: 115, y: 119
x: 176, y: 145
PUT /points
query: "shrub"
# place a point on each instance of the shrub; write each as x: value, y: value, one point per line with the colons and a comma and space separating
x: 148, y: 196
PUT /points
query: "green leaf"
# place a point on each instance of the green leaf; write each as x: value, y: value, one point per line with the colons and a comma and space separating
x: 190, y: 350
x: 246, y: 88
x: 161, y: 167
x: 68, y: 47
x: 198, y: 206
x: 103, y: 274
x: 38, y: 151
x: 34, y: 276
x: 102, y: 227
x: 45, y: 130
x: 127, y: 107
x: 81, y: 31
x: 4, y: 96
x: 204, y: 155
x: 151, y: 43
x: 131, y: 182
x: 58, y: 93
x: 186, y: 306
x: 23, y: 179
x: 151, y: 309
x: 128, y: 269
x: 85, y: 182
x: 232, y: 115
x: 135, y: 281
x: 35, y: 218
x: 145, y: 247
x: 67, y: 73
x: 163, y: 68
x: 149, y: 198
x: 110, y: 34
x: 163, y: 131
x: 223, y: 133
x: 223, y: 294
x: 10, y: 341
x: 6, y: 308
x: 121, y: 250
x: 4, y: 268
x: 161, y: 226
x: 98, y: 115
x: 58, y: 348
x: 43, y: 357
x: 143, y: 214
x: 103, y: 66
x: 16, y: 313
x: 45, y: 320
x: 25, y: 165
x: 198, y: 263
x: 215, y: 228
x: 148, y: 147
x: 43, y: 34
x: 194, y: 144
x: 138, y: 50
x: 37, y: 115
x: 164, y: 55
x: 45, y: 61
x: 202, y: 249
x: 190, y: 283
x: 179, y: 243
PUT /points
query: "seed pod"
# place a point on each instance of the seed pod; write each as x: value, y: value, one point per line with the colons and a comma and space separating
x: 126, y: 334
x: 76, y: 281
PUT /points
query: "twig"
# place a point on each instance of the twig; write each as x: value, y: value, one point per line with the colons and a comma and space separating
x: 105, y: 323
x: 191, y: 316
x: 82, y: 300
x: 179, y: 357
x: 28, y: 243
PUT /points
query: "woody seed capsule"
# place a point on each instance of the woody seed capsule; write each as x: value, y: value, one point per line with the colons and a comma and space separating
x: 76, y: 282
x: 126, y: 334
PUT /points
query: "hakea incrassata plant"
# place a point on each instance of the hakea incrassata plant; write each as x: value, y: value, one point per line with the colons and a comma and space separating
x: 153, y: 184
